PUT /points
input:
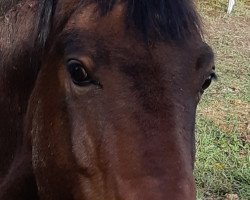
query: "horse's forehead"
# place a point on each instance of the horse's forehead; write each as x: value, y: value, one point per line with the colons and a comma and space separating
x: 88, y: 19
x: 113, y: 29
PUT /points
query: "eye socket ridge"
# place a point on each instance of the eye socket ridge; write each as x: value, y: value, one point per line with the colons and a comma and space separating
x: 78, y: 73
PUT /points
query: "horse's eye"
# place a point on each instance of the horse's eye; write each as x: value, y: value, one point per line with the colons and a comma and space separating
x: 77, y: 73
x: 208, y: 81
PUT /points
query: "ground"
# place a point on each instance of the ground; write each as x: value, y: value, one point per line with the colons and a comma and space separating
x: 223, y: 117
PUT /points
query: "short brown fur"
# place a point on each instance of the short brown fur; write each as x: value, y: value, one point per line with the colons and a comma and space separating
x: 127, y: 136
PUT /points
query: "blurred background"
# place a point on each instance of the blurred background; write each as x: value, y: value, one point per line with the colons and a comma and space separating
x: 223, y: 118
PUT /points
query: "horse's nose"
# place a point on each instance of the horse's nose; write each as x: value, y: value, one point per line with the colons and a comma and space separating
x: 155, y: 189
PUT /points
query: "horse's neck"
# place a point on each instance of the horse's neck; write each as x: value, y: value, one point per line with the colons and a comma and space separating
x: 5, y: 5
x: 16, y: 76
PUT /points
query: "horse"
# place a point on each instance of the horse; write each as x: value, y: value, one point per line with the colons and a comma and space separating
x: 98, y: 99
x: 5, y: 5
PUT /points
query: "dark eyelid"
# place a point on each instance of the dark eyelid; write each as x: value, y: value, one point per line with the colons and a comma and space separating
x: 80, y: 62
x: 73, y: 59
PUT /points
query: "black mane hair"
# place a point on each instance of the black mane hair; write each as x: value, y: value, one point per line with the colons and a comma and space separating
x: 167, y: 20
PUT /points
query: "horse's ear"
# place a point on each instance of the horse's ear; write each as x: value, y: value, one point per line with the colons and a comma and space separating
x: 46, y: 12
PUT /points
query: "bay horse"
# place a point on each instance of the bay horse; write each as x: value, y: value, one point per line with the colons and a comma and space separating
x: 98, y: 99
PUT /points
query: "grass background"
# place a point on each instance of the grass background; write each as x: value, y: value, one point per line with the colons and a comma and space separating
x: 223, y: 117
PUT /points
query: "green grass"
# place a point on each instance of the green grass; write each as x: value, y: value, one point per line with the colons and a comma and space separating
x: 223, y: 163
x: 223, y: 116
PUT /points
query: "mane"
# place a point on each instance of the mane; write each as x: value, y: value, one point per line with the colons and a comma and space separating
x: 158, y: 19
x: 165, y: 20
